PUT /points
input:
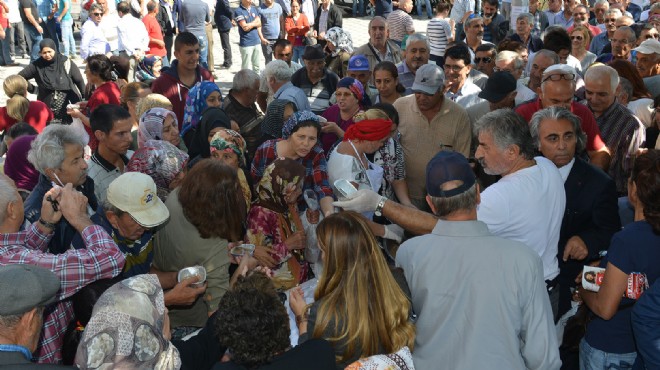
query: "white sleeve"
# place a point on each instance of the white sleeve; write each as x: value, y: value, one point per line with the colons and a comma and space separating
x: 493, y: 209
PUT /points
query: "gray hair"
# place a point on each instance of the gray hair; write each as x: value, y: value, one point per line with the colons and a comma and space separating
x: 548, y: 54
x: 508, y: 55
x: 528, y: 16
x: 626, y: 87
x: 469, y: 21
x: 7, y: 195
x: 614, y: 11
x: 95, y: 6
x: 47, y: 149
x: 602, y: 2
x: 557, y: 114
x: 245, y: 79
x: 655, y: 6
x: 417, y: 37
x: 507, y: 128
x: 602, y: 71
x: 279, y: 70
x: 378, y: 18
x: 466, y: 200
x: 632, y: 37
x: 109, y: 207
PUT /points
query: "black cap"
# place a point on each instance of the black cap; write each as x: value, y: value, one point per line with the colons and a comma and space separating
x: 498, y: 86
x: 313, y: 53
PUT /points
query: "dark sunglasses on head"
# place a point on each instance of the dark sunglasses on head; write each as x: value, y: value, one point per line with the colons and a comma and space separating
x: 484, y: 59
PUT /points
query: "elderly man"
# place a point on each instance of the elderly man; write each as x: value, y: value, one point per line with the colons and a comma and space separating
x: 240, y: 105
x: 623, y: 41
x: 429, y: 123
x: 600, y: 8
x: 621, y: 130
x: 278, y: 79
x: 499, y: 93
x: 522, y: 336
x: 506, y: 149
x: 493, y: 30
x: 316, y: 81
x: 581, y: 18
x: 57, y: 153
x: 524, y: 35
x: 282, y: 50
x: 539, y: 63
x: 379, y: 48
x: 360, y: 69
x: 474, y: 34
x: 417, y: 54
x: 400, y: 23
x: 484, y: 59
x: 100, y: 259
x: 590, y: 196
x: 648, y: 64
x: 93, y: 41
x: 599, y: 42
x: 457, y: 87
x: 557, y: 90
x: 511, y: 62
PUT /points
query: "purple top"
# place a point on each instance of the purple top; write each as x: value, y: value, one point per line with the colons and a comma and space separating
x: 17, y: 166
x: 332, y: 115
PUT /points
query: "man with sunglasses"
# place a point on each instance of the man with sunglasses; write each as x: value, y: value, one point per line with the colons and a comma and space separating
x: 93, y: 40
x: 648, y: 64
x: 484, y: 59
x: 558, y: 90
x: 599, y: 42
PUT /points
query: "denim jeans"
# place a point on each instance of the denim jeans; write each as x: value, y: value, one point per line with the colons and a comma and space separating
x: 267, y: 50
x: 594, y: 359
x: 67, y: 38
x: 5, y: 57
x: 203, y: 51
x: 298, y: 52
x: 429, y: 10
x: 250, y: 55
x: 358, y: 5
x: 35, y: 38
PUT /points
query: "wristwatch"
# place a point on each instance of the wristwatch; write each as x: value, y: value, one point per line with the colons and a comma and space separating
x: 379, y: 208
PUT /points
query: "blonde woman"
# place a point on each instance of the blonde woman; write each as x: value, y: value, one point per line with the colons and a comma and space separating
x: 19, y: 108
x: 361, y: 306
x: 580, y: 41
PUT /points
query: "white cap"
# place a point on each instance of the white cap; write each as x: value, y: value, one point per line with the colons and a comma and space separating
x: 135, y: 194
x: 650, y: 46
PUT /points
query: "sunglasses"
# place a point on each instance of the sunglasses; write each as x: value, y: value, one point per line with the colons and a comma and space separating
x: 608, y: 20
x: 580, y: 38
x: 484, y: 59
x: 652, y: 36
x: 559, y: 77
x: 97, y: 14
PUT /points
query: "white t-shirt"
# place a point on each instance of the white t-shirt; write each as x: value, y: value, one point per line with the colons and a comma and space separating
x: 528, y: 206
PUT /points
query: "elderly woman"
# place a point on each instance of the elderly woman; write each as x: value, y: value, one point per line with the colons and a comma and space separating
x: 338, y: 48
x: 580, y: 41
x: 300, y: 136
x: 159, y: 124
x: 228, y: 146
x: 351, y: 99
x: 206, y: 212
x: 58, y: 80
x: 163, y: 162
x: 278, y: 112
x: 20, y: 109
x: 201, y: 96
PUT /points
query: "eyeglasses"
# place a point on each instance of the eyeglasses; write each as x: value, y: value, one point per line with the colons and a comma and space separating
x: 498, y: 69
x: 97, y: 14
x: 579, y: 38
x: 484, y: 59
x: 608, y: 20
x: 559, y: 77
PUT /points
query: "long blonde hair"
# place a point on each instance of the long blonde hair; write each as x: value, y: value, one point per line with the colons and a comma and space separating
x: 357, y: 292
x: 18, y: 105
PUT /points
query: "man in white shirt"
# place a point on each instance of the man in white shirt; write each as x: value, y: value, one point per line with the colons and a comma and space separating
x: 133, y: 35
x: 457, y: 86
x: 511, y: 62
x: 109, y: 23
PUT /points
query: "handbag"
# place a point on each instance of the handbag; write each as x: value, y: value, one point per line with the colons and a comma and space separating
x: 58, y: 105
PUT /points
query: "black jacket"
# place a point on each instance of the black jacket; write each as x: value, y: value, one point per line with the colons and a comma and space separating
x: 223, y: 15
x: 164, y: 20
x: 334, y: 17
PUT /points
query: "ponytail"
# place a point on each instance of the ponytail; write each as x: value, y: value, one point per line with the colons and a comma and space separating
x: 17, y: 107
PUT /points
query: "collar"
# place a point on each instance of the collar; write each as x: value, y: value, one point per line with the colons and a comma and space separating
x: 107, y: 166
x: 404, y: 68
x: 387, y: 47
x: 16, y: 348
x: 566, y: 169
x: 460, y: 228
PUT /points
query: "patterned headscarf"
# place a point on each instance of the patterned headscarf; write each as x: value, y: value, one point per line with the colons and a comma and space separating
x: 145, y: 68
x: 196, y: 104
x: 151, y: 124
x: 357, y: 89
x: 274, y: 118
x: 296, y: 119
x: 340, y: 39
x: 162, y: 161
x: 126, y: 329
x: 280, y: 176
x: 229, y: 141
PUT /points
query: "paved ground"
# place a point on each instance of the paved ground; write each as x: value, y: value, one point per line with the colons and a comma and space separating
x: 358, y: 27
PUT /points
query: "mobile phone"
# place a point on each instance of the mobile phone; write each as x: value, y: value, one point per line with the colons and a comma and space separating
x: 345, y: 188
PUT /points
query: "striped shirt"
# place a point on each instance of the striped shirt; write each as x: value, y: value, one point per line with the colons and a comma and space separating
x: 400, y: 24
x: 438, y: 31
x: 101, y: 259
x: 103, y: 173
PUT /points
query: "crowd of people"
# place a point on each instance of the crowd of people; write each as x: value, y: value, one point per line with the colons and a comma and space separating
x: 426, y: 200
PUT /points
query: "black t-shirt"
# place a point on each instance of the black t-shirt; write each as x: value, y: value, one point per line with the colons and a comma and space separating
x: 33, y: 7
x: 314, y: 354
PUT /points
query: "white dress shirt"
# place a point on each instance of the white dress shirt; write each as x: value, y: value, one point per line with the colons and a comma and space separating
x: 93, y: 40
x: 132, y: 34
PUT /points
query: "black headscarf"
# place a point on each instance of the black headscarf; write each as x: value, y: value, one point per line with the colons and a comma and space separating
x: 52, y: 73
x: 274, y: 119
x: 212, y: 117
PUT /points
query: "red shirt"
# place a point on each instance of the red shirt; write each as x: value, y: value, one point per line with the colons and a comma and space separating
x: 594, y: 140
x: 108, y: 93
x: 4, y: 21
x: 155, y: 32
x: 38, y: 116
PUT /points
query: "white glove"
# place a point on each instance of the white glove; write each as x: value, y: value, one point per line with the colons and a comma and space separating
x: 393, y: 232
x: 364, y: 200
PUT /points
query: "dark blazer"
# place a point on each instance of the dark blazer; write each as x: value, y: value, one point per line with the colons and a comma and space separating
x: 535, y: 44
x: 16, y: 361
x: 223, y: 15
x: 498, y: 28
x: 591, y: 213
x: 334, y: 17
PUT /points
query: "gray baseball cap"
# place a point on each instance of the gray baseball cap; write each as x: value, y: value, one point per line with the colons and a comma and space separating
x: 428, y: 79
x: 24, y: 287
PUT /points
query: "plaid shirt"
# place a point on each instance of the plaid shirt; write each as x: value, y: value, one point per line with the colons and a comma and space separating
x: 75, y: 268
x: 316, y: 168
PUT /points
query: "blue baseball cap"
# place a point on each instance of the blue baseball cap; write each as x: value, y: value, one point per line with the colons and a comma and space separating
x: 448, y: 166
x: 358, y: 63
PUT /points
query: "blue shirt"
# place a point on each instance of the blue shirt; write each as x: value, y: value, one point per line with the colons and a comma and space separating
x: 598, y: 43
x: 44, y: 7
x: 251, y: 37
x: 270, y: 20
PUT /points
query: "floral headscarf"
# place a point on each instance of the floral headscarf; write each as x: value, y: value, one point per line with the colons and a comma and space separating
x: 229, y: 141
x: 162, y: 161
x: 357, y: 89
x: 295, y: 120
x: 279, y: 177
x: 145, y: 68
x: 126, y: 329
x: 151, y: 124
x: 196, y: 104
x: 274, y: 118
x: 340, y: 39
